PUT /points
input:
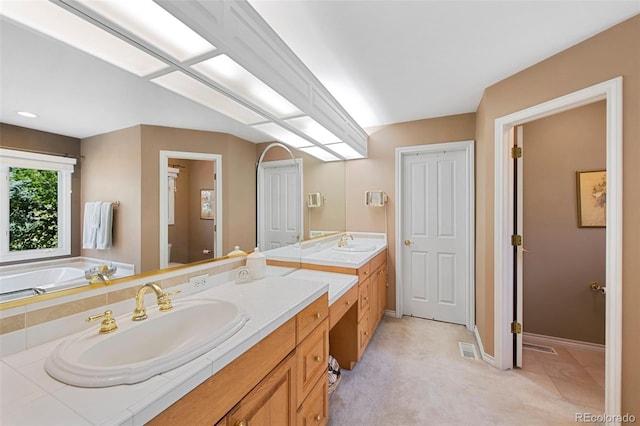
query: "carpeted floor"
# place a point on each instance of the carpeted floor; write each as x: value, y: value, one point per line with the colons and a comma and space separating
x: 412, y: 373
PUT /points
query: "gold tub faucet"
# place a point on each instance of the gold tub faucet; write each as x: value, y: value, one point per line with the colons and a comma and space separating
x: 164, y: 303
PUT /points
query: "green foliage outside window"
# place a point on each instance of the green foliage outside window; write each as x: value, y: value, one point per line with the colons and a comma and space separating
x: 33, y: 209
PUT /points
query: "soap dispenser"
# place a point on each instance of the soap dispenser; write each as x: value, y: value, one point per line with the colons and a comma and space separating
x: 257, y: 264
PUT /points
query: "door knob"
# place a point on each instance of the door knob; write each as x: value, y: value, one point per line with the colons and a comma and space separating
x: 407, y: 242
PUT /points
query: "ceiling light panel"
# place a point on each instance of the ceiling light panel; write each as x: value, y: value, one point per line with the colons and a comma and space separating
x: 186, y: 86
x: 283, y: 135
x: 313, y: 129
x: 320, y: 153
x: 62, y: 25
x: 233, y: 77
x: 153, y: 24
x: 345, y: 151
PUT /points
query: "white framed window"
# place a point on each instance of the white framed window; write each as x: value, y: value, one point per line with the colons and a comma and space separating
x: 35, y: 199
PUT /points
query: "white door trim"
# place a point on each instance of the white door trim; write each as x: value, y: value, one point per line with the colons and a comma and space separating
x: 164, y: 209
x: 468, y: 148
x: 611, y: 91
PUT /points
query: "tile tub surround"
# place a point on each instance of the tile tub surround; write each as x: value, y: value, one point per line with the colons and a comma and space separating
x: 36, y: 398
x: 24, y: 325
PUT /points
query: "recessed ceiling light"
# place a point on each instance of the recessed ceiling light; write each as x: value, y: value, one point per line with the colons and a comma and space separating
x: 345, y: 150
x: 27, y: 114
x: 320, y: 153
x: 313, y: 129
x: 62, y: 25
x: 230, y: 75
x: 153, y: 24
x: 188, y: 87
x: 283, y: 135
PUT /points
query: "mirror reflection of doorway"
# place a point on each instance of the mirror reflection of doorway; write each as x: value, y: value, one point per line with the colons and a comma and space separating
x: 279, y: 203
x: 191, y: 237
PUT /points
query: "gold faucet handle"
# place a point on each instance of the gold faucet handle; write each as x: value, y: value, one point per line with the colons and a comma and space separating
x: 164, y: 303
x: 108, y: 324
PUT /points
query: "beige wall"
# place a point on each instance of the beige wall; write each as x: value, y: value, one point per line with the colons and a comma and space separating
x: 112, y: 173
x: 562, y: 259
x: 609, y: 54
x: 377, y: 172
x: 35, y: 140
x: 238, y: 184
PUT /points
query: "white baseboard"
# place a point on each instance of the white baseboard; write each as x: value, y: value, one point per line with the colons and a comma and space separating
x: 486, y: 358
x: 559, y: 341
x: 389, y: 313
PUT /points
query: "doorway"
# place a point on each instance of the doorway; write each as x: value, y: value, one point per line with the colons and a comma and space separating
x: 279, y: 202
x: 563, y: 319
x: 435, y: 190
x: 504, y: 265
x: 213, y: 189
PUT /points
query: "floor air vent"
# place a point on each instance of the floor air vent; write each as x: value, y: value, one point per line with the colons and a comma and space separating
x: 468, y: 350
x: 539, y: 348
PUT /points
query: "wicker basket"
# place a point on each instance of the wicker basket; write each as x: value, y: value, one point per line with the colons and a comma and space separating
x: 334, y: 386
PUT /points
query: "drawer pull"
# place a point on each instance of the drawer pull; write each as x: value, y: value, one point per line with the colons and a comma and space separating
x: 366, y: 333
x: 348, y: 302
x: 366, y: 298
x: 317, y: 358
x: 365, y: 272
x: 318, y: 315
x: 241, y: 423
x: 317, y: 418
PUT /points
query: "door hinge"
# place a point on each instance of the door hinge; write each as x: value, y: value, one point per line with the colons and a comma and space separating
x: 516, y: 240
x: 516, y: 152
x: 516, y: 328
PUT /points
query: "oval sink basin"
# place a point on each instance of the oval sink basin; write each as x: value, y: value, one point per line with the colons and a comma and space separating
x: 139, y: 350
x: 356, y: 247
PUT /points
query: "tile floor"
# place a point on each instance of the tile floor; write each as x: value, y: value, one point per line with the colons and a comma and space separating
x: 576, y: 375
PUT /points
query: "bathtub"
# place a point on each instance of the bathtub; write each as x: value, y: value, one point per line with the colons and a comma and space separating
x: 19, y: 281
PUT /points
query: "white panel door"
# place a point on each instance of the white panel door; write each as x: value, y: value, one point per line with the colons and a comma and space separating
x: 281, y: 207
x: 436, y: 235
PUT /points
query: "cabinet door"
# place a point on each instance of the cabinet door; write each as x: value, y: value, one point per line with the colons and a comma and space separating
x: 364, y: 333
x: 374, y: 309
x: 315, y: 409
x: 382, y: 289
x: 312, y: 359
x: 272, y: 402
x: 363, y: 298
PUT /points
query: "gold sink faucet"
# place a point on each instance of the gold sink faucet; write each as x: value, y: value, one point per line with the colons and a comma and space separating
x: 343, y: 240
x: 164, y: 303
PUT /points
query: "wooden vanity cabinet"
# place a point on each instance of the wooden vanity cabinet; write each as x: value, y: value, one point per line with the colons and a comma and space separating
x: 272, y: 402
x: 279, y: 381
x: 352, y: 330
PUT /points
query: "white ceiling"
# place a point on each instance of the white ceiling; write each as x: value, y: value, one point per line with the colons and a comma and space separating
x: 385, y: 61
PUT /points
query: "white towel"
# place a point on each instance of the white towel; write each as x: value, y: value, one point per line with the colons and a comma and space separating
x: 103, y: 237
x: 91, y: 224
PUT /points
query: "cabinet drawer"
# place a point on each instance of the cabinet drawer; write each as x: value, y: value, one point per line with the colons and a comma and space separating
x: 342, y: 305
x: 363, y: 298
x: 363, y: 272
x: 315, y: 409
x: 312, y: 359
x: 364, y: 334
x: 377, y: 261
x: 311, y: 317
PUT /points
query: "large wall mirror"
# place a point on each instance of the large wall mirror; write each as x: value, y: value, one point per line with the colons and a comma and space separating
x: 69, y: 88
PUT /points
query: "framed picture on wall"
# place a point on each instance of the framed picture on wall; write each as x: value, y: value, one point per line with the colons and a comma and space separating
x: 206, y: 204
x: 592, y: 198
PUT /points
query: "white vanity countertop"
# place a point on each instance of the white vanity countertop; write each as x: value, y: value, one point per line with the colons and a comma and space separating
x: 339, y: 284
x: 29, y: 396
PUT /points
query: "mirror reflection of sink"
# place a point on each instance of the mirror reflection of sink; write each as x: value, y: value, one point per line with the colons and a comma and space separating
x: 140, y: 350
x: 356, y: 247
